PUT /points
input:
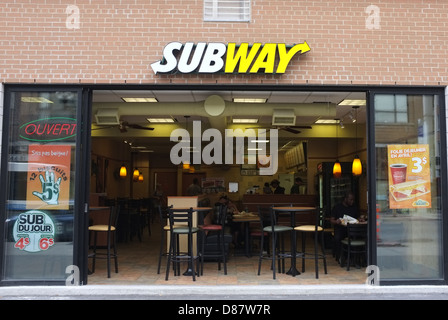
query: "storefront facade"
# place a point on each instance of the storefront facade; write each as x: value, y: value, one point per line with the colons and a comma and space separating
x: 56, y: 55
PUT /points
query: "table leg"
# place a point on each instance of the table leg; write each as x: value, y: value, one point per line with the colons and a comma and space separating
x: 293, y: 270
x: 246, y: 241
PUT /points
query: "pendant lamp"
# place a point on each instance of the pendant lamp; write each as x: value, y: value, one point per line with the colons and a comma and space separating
x: 140, y: 177
x: 123, y: 171
x: 337, y: 170
x: 356, y: 165
x: 135, y: 174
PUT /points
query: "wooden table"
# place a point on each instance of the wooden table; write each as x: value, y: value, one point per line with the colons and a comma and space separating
x: 246, y: 219
x: 293, y: 210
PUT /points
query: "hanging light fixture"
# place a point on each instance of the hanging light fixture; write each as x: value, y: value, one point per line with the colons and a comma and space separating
x: 337, y: 170
x: 140, y: 177
x: 135, y: 174
x: 123, y: 171
x: 186, y: 163
x: 356, y: 165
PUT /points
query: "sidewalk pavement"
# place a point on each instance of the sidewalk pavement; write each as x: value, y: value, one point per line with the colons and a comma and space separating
x: 224, y: 292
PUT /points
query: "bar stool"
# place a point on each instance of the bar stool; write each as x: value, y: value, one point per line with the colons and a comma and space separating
x: 164, y: 228
x: 110, y: 229
x: 181, y: 223
x: 219, y: 229
x: 269, y: 224
x: 317, y: 229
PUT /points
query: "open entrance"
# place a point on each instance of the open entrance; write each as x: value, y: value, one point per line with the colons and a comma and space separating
x: 313, y: 130
x: 44, y: 161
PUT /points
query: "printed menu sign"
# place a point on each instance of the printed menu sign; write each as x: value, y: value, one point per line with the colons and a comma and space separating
x: 48, y: 181
x: 33, y: 231
x: 409, y: 176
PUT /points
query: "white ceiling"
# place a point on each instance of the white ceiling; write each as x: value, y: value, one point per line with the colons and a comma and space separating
x: 178, y: 104
x: 104, y: 97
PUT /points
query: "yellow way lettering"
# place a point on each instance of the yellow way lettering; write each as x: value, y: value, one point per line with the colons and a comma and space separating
x: 265, y: 59
x: 241, y: 55
x: 285, y: 57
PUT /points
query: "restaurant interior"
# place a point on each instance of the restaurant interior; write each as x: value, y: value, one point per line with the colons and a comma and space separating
x: 132, y: 129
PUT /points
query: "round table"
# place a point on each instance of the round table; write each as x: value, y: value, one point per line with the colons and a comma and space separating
x: 293, y: 210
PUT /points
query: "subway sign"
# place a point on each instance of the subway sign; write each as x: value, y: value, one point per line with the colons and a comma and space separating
x: 215, y: 57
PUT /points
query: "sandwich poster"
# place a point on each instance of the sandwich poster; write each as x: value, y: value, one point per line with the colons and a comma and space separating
x: 409, y: 176
x: 48, y: 180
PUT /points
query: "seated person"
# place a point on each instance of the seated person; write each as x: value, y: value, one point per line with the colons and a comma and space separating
x: 346, y: 207
x: 234, y: 227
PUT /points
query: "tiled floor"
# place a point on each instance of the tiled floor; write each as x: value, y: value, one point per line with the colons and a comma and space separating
x: 137, y: 265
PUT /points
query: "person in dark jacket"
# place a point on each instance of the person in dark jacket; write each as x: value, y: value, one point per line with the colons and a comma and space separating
x: 277, y: 188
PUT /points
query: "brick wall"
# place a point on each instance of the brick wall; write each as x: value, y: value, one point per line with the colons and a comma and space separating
x: 115, y: 41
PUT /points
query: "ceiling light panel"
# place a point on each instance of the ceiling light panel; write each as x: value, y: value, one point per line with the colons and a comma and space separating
x: 148, y: 99
x: 249, y: 100
x: 160, y: 120
x: 352, y: 102
x: 245, y: 120
x: 327, y: 121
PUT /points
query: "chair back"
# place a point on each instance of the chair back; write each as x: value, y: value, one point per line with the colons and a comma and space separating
x: 180, y: 216
x: 267, y: 217
x: 163, y: 215
x: 221, y: 215
x: 122, y: 203
x: 113, y: 217
x: 134, y: 205
x: 356, y: 231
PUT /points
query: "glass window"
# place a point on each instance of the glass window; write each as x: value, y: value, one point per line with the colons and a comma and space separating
x: 227, y: 10
x: 391, y: 109
x: 38, y: 243
x: 409, y: 218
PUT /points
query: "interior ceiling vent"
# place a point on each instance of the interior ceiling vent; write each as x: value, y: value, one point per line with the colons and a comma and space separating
x: 107, y: 117
x: 283, y: 117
